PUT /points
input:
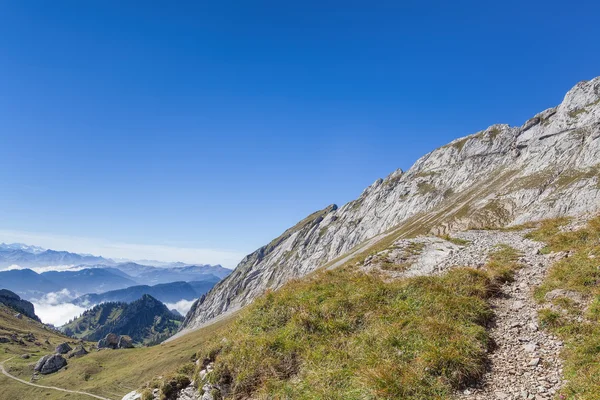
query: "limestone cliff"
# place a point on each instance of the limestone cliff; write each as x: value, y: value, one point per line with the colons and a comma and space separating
x: 547, y: 167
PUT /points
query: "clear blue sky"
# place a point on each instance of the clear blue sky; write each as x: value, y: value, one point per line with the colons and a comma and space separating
x: 217, y: 126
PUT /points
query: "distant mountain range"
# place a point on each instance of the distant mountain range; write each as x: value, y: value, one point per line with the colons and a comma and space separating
x: 31, y: 275
x: 146, y: 321
x: 165, y: 292
x: 31, y: 285
x: 34, y: 258
x: 21, y: 246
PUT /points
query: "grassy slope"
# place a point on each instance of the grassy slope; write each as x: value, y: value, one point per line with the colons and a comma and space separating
x: 339, y: 334
x: 343, y: 334
x: 578, y: 324
x: 9, y: 389
x: 113, y: 373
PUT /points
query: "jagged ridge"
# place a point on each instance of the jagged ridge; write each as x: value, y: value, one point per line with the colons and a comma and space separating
x: 502, y: 175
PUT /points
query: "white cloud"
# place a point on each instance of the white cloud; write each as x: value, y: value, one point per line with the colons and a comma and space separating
x: 132, y: 251
x: 54, y: 308
x: 48, y: 268
x: 183, y: 306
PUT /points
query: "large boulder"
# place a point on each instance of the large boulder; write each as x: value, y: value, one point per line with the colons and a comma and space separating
x: 78, y: 352
x: 49, y: 364
x: 63, y: 348
x: 110, y: 341
x: 125, y: 342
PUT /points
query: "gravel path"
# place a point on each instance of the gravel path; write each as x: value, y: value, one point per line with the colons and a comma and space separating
x: 525, y: 363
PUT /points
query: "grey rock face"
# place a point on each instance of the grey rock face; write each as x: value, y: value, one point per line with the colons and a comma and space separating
x: 63, y: 348
x: 50, y: 364
x: 189, y: 393
x: 548, y: 167
x: 13, y: 301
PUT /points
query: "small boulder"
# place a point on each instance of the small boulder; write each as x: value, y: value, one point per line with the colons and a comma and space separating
x: 78, y: 352
x: 63, y: 348
x: 19, y: 316
x: 49, y: 364
x: 25, y: 356
x: 4, y: 339
x: 132, y: 396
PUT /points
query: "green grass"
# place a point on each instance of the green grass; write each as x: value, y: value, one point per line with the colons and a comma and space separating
x: 456, y: 241
x: 10, y: 325
x: 460, y: 144
x: 425, y: 188
x: 345, y: 334
x: 409, y: 251
x: 110, y: 373
x: 493, y: 133
x: 575, y: 113
x: 578, y: 325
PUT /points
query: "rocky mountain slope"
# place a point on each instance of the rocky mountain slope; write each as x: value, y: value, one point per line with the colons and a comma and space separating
x: 13, y: 301
x: 146, y: 320
x: 503, y: 175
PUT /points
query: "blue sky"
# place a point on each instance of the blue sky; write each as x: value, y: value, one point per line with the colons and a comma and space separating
x: 182, y: 130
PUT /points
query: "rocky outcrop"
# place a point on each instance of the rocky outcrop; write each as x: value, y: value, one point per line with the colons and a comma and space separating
x: 63, y: 348
x: 13, y: 301
x: 50, y: 364
x: 550, y: 166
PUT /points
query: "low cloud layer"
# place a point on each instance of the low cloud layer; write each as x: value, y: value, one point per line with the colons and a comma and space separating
x: 54, y: 308
x: 48, y: 268
x: 183, y: 306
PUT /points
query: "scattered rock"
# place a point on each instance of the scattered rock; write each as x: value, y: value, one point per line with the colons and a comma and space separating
x: 530, y: 348
x: 132, y: 396
x: 25, y: 356
x: 50, y: 364
x: 78, y: 352
x: 515, y: 369
x: 113, y: 341
x: 63, y: 348
x: 189, y: 393
x: 534, y: 362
